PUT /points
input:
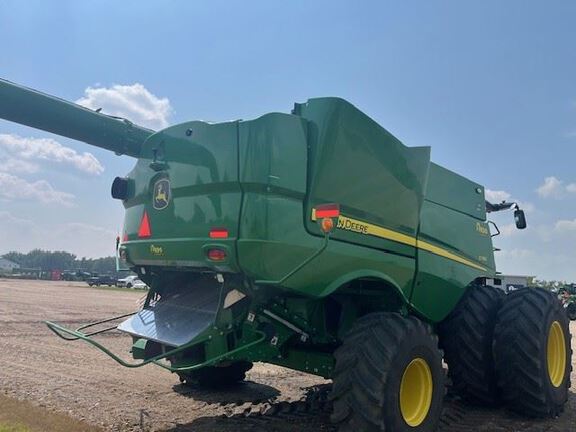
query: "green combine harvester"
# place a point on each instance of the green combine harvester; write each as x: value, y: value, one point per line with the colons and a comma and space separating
x: 317, y: 241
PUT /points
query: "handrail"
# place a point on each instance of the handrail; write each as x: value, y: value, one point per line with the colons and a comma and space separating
x: 61, y: 332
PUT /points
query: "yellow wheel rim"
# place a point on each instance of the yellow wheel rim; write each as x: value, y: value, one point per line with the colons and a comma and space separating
x: 556, y: 356
x: 416, y: 392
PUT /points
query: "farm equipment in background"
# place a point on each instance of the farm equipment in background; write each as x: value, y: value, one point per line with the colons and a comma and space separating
x: 317, y: 241
x: 567, y: 296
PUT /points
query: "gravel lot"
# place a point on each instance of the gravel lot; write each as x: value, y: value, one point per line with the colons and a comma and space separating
x: 76, y: 379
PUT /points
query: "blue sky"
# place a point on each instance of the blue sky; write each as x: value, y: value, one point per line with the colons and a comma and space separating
x: 490, y: 86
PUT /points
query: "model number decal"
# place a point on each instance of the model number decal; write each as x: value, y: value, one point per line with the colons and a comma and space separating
x: 156, y: 250
x: 481, y: 228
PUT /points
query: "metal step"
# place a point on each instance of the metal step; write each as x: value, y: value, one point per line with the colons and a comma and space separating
x: 178, y: 317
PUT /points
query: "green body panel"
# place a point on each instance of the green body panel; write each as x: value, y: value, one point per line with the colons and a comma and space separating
x: 411, y: 235
x: 205, y: 193
x: 352, y: 158
x: 455, y: 192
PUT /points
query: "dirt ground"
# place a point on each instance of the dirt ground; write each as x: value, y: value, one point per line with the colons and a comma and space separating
x: 75, y: 379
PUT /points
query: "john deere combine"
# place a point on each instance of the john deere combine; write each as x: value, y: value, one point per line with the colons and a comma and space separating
x: 317, y: 241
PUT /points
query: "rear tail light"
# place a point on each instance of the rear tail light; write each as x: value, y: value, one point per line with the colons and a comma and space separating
x: 219, y: 233
x: 327, y: 211
x: 216, y: 254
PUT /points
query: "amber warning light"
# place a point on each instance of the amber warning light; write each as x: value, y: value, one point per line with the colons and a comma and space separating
x: 325, y: 214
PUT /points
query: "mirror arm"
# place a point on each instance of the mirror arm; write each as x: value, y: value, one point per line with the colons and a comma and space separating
x: 490, y: 207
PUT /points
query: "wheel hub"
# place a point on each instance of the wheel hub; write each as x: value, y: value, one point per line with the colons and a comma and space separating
x: 556, y: 354
x: 416, y: 390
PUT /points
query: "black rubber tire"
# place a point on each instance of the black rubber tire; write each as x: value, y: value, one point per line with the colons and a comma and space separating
x: 467, y: 337
x: 571, y: 311
x: 217, y: 376
x: 520, y: 350
x: 369, y: 368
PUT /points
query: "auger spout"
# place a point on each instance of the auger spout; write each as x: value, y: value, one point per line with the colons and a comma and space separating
x: 41, y: 111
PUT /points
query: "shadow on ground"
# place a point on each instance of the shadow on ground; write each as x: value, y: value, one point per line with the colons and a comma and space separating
x: 311, y: 414
x: 238, y: 394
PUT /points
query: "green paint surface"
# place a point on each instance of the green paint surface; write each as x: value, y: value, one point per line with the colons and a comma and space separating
x: 411, y: 236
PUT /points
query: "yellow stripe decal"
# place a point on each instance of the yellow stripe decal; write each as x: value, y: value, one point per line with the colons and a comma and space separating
x: 349, y: 224
x: 446, y: 254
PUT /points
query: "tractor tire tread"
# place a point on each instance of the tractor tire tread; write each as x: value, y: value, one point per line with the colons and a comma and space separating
x: 522, y: 374
x: 362, y: 367
x: 466, y: 336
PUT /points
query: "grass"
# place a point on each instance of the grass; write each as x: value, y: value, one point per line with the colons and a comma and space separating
x: 23, y: 416
x: 13, y: 427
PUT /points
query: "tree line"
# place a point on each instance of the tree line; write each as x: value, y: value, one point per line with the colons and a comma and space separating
x: 61, y: 260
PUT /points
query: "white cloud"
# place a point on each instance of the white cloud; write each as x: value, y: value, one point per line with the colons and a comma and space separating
x: 565, y: 226
x: 508, y: 230
x: 496, y: 196
x: 46, y: 149
x: 516, y: 253
x: 18, y: 166
x: 16, y: 188
x: 133, y: 102
x: 7, y: 218
x: 79, y: 238
x: 551, y: 188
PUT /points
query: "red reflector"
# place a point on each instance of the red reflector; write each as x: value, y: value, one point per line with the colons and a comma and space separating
x: 327, y: 211
x: 216, y: 254
x: 218, y: 233
x: 144, y: 230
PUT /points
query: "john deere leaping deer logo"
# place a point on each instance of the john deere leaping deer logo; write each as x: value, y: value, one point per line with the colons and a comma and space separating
x: 161, y: 194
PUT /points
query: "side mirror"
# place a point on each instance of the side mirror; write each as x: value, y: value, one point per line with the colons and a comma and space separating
x: 520, y: 219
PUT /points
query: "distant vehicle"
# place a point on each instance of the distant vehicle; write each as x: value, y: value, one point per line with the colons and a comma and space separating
x: 68, y: 276
x: 138, y: 284
x: 101, y: 280
x: 127, y: 281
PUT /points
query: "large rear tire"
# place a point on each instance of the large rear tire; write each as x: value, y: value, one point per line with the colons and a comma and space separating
x: 217, y: 376
x: 466, y: 337
x: 388, y: 376
x: 533, y: 353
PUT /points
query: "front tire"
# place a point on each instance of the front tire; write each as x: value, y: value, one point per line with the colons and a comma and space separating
x: 533, y: 353
x: 467, y: 337
x: 388, y: 376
